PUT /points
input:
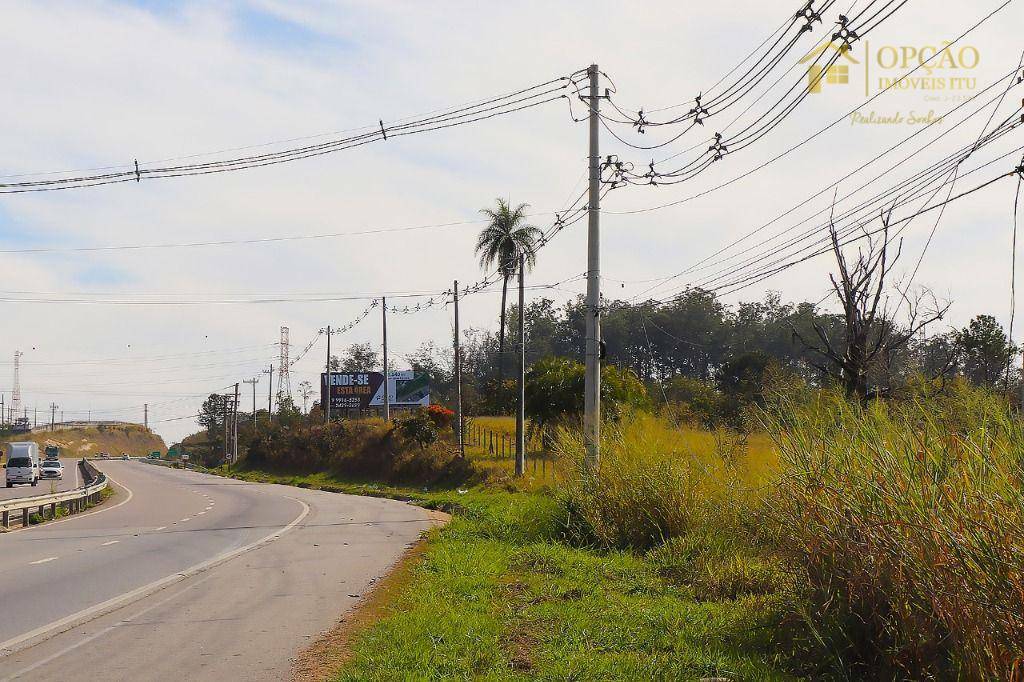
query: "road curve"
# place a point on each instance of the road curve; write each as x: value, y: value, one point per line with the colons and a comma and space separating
x: 190, y: 576
x: 72, y: 479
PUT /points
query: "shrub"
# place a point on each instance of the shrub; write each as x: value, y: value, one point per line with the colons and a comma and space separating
x: 418, y: 427
x: 907, y: 520
x: 411, y: 451
x: 442, y: 417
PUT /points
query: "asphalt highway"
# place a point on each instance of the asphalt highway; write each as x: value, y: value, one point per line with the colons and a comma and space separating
x: 189, y: 576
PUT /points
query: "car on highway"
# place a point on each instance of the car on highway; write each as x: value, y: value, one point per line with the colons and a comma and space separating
x: 103, y: 455
x: 22, y: 463
x: 125, y: 456
x: 51, y: 468
x: 51, y: 452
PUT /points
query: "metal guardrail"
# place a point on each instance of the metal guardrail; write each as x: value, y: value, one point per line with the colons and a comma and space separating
x: 72, y: 500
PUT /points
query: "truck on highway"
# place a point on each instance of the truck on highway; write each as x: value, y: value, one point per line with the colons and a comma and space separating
x: 22, y: 463
x: 51, y: 452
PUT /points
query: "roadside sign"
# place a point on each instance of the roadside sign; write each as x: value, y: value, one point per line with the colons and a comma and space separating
x: 360, y: 390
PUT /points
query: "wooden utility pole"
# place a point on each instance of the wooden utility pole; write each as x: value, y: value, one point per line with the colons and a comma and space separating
x: 327, y: 402
x: 234, y: 428
x: 521, y: 377
x: 53, y: 414
x: 458, y: 376
x: 387, y: 394
x: 145, y: 415
x: 224, y: 403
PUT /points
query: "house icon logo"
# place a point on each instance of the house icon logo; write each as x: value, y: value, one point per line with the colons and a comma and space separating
x: 836, y: 73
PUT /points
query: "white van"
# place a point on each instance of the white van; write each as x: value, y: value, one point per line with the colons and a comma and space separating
x: 22, y: 463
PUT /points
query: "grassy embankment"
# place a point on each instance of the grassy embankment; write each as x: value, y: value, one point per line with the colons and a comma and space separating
x: 77, y: 442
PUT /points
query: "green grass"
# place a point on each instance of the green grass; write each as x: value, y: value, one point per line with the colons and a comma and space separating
x: 498, y: 596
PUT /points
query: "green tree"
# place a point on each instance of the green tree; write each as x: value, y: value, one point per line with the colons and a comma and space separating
x: 742, y: 382
x: 505, y: 239
x: 211, y: 414
x: 359, y: 357
x: 985, y: 351
x: 554, y: 391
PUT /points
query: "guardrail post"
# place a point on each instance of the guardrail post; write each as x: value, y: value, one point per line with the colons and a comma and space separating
x: 24, y: 517
x: 7, y: 519
x: 53, y: 510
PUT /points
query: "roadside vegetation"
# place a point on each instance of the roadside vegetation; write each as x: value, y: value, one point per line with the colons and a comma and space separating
x: 783, y: 493
x: 828, y: 540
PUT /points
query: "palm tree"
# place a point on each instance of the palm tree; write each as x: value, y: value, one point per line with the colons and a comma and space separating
x: 501, y: 243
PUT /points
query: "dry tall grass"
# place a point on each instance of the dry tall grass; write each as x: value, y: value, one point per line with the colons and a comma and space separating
x: 656, y: 481
x: 908, y: 521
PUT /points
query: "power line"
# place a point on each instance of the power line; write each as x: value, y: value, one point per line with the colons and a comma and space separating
x: 714, y: 257
x: 526, y: 98
x: 813, y: 136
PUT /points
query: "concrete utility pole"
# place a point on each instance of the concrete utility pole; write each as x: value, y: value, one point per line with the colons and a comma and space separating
x: 521, y: 378
x: 145, y: 415
x: 253, y: 381
x: 387, y: 394
x: 327, y: 403
x: 592, y: 377
x: 53, y: 414
x: 458, y: 376
x: 234, y: 429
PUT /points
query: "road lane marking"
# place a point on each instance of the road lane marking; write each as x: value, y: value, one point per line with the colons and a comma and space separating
x: 43, y: 561
x: 187, y: 518
x: 66, y: 650
x: 200, y: 513
x: 75, y: 619
x: 160, y: 528
x: 112, y: 542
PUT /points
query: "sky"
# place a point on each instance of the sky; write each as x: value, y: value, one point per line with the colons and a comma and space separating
x: 94, y: 84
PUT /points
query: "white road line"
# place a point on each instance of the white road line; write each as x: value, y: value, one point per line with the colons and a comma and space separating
x: 187, y: 518
x: 43, y: 561
x: 200, y: 513
x: 97, y: 635
x: 7, y: 648
x: 112, y: 542
x: 160, y: 528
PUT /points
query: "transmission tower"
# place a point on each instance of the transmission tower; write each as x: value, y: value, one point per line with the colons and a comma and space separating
x: 16, y: 392
x: 284, y: 382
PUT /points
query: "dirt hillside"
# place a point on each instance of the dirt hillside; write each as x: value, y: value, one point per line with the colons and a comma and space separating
x: 87, y: 441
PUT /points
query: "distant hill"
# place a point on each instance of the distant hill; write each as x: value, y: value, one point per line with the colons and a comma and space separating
x: 83, y: 441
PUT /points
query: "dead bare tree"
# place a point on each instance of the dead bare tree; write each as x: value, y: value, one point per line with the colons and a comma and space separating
x: 869, y: 331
